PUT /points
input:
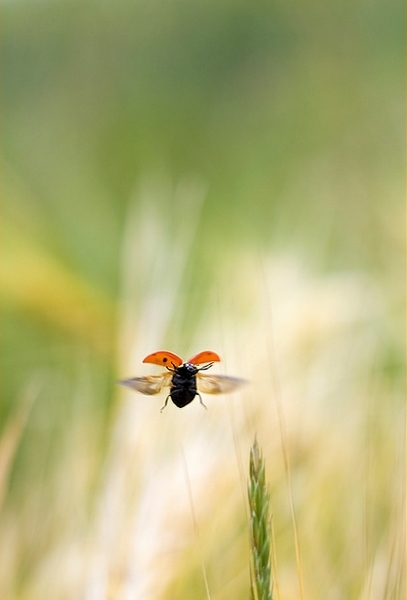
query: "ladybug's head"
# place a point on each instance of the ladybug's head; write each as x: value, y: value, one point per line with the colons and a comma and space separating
x: 187, y: 369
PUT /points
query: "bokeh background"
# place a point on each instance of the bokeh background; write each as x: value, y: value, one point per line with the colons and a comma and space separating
x: 191, y: 175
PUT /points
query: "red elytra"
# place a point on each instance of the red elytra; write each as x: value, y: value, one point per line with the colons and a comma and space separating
x: 164, y: 358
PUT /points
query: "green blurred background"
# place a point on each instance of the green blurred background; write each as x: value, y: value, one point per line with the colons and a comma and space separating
x: 151, y: 150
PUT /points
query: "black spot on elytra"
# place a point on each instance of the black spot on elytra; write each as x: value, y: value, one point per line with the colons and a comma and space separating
x: 165, y: 359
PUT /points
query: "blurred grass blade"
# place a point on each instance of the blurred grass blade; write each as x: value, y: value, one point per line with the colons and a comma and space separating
x: 11, y: 436
x: 260, y: 539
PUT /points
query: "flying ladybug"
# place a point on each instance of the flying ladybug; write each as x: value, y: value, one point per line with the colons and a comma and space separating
x: 183, y: 378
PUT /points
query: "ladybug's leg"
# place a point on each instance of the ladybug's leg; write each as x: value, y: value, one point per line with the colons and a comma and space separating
x: 204, y: 368
x: 165, y: 403
x: 201, y: 401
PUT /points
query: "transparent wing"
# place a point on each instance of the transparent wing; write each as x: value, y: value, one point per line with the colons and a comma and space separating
x: 150, y: 384
x: 217, y: 384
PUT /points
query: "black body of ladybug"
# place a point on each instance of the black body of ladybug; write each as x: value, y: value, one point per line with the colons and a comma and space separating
x: 183, y: 385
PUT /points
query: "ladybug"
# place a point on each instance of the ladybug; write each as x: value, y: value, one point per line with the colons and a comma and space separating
x: 183, y: 378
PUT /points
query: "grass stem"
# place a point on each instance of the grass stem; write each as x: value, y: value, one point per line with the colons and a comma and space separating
x: 260, y: 538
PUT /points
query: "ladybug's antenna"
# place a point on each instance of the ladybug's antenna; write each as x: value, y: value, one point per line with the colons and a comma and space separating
x: 205, y: 367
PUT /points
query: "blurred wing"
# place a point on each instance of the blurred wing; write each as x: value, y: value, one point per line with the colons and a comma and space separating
x: 217, y: 384
x: 150, y: 384
x: 163, y: 358
x: 204, y: 357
